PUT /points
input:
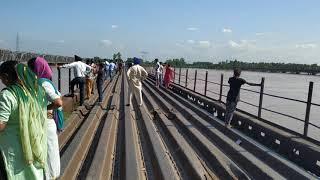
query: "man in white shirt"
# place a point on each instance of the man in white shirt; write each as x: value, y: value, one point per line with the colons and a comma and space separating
x: 157, y: 71
x: 161, y: 74
x: 136, y: 74
x: 106, y: 69
x: 79, y: 69
x: 112, y: 65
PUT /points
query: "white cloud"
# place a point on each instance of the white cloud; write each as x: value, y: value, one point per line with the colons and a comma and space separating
x: 114, y: 26
x: 234, y: 44
x: 205, y: 44
x: 227, y: 30
x: 307, y: 46
x: 106, y: 42
x: 190, y: 41
x: 179, y: 45
x: 260, y: 34
x: 60, y: 41
x: 243, y: 44
x: 192, y: 29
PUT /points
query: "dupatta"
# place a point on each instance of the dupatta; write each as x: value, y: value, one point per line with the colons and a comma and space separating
x: 32, y: 109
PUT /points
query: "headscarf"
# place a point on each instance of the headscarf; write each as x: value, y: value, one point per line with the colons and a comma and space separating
x: 136, y: 61
x: 42, y: 68
x: 32, y: 109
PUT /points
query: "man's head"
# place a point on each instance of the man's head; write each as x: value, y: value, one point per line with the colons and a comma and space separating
x: 77, y: 58
x: 136, y: 61
x: 156, y: 60
x: 8, y: 73
x: 237, y: 72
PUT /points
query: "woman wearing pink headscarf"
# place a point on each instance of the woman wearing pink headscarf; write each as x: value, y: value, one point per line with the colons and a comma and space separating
x: 42, y: 69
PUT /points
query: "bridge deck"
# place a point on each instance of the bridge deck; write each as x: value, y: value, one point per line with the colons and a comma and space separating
x: 175, y: 135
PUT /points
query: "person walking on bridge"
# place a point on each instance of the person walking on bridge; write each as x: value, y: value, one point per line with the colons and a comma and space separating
x: 112, y: 66
x: 157, y: 70
x: 79, y: 69
x: 233, y: 96
x: 136, y: 74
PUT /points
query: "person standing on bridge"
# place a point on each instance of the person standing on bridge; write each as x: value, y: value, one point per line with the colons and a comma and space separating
x: 90, y: 78
x: 233, y: 96
x: 100, y: 79
x: 136, y: 74
x: 79, y: 69
x: 23, y: 123
x: 112, y: 66
x: 157, y: 70
x: 43, y: 71
x: 168, y: 76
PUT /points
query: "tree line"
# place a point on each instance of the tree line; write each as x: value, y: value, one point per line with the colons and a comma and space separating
x: 248, y: 66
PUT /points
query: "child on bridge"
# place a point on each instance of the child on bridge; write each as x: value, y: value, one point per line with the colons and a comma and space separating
x: 233, y: 96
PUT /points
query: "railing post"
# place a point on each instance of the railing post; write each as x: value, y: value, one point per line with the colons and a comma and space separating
x: 174, y: 75
x: 195, y: 80
x: 306, y: 120
x: 261, y: 97
x: 186, y: 83
x: 69, y: 80
x: 221, y: 88
x: 59, y: 79
x: 179, y: 75
x: 206, y: 83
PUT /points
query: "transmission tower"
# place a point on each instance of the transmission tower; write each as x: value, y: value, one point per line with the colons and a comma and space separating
x: 18, y: 43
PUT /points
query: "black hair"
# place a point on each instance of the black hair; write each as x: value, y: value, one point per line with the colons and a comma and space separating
x: 31, y: 63
x: 9, y: 68
x: 77, y: 58
x: 237, y: 72
x: 157, y: 60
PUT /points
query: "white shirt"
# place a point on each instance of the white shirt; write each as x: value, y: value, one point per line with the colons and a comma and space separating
x: 161, y: 69
x: 112, y: 66
x: 157, y: 68
x: 79, y: 68
x: 136, y: 74
x: 50, y: 93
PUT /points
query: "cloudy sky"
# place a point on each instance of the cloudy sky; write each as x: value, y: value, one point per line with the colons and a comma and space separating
x: 198, y: 30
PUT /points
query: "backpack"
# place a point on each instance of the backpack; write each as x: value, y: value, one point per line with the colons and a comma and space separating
x: 57, y: 113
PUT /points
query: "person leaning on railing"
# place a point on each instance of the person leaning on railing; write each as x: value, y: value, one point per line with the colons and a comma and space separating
x: 233, y: 96
x: 79, y: 69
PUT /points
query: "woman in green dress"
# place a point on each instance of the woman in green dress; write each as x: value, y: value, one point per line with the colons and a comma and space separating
x: 23, y: 133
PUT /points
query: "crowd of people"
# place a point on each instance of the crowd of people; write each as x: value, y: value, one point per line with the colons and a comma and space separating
x: 31, y: 114
x: 86, y: 73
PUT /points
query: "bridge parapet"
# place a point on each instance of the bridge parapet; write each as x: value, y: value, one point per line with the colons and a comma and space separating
x: 6, y: 55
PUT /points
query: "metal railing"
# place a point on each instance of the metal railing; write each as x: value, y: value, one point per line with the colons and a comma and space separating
x: 59, y: 79
x: 261, y: 93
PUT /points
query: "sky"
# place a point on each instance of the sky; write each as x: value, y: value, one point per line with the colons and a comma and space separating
x: 197, y: 30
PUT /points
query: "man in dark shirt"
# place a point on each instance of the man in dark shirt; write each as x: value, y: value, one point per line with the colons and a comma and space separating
x: 234, y: 94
